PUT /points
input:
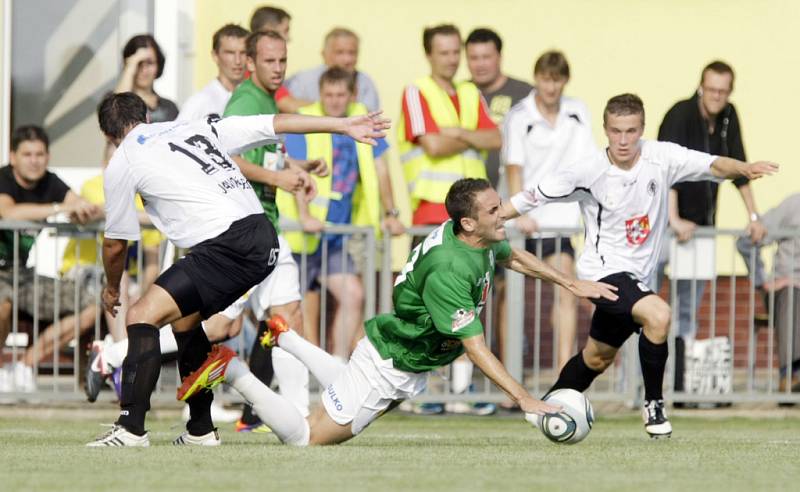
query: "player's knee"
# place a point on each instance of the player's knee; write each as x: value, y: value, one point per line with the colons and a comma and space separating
x: 597, y: 361
x: 658, y: 322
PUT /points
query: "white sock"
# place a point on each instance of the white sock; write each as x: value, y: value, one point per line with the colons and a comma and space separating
x: 292, y: 378
x: 322, y: 365
x: 273, y: 409
x: 461, y: 376
x: 115, y: 353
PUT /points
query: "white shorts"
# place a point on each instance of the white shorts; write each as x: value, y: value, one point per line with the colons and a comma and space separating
x: 281, y: 287
x: 367, y: 387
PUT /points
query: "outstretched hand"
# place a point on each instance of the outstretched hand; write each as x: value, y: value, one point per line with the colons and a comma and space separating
x: 366, y: 128
x: 594, y: 290
x: 760, y: 169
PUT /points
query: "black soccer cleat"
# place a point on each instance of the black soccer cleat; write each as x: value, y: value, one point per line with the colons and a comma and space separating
x: 656, y: 423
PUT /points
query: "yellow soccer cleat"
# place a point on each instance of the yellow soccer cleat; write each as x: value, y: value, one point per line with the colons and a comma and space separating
x: 275, y: 326
x: 209, y: 375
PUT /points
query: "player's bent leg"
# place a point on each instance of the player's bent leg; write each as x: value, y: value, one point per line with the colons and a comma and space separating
x: 325, y: 431
x: 654, y: 316
x: 156, y: 307
x: 581, y: 370
x: 322, y: 365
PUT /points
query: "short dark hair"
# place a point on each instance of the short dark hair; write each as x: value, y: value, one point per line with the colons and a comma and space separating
x: 552, y: 63
x: 251, y: 45
x: 145, y: 41
x: 228, y: 31
x: 335, y: 75
x: 117, y: 112
x: 719, y: 67
x: 485, y: 35
x: 460, y: 200
x: 624, y: 105
x: 28, y: 133
x: 267, y: 15
x: 442, y: 29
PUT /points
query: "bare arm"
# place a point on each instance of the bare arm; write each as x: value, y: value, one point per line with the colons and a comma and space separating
x: 290, y: 104
x: 524, y: 223
x: 436, y: 145
x: 364, y: 129
x: 481, y: 356
x: 114, y: 254
x: 527, y: 264
x: 485, y: 139
x: 390, y: 223
x: 755, y: 228
x: 684, y: 229
x: 126, y: 78
x: 728, y: 168
x: 78, y: 208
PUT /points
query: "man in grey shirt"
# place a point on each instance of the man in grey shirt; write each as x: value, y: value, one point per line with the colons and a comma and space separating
x: 340, y: 50
x: 785, y: 284
x: 484, y: 48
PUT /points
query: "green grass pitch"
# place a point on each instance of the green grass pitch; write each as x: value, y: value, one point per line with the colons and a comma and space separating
x: 412, y: 453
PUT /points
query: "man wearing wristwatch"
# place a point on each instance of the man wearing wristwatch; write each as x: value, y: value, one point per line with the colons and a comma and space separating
x: 706, y: 122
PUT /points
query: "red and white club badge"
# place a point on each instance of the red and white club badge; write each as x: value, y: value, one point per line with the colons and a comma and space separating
x: 637, y: 229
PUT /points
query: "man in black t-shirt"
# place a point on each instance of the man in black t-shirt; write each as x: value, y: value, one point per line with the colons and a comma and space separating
x: 707, y: 122
x: 29, y: 192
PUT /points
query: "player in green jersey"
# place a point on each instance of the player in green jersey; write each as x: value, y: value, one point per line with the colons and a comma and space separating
x: 438, y: 298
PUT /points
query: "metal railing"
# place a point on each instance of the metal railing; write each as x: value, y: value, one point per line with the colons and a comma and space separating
x: 529, y: 351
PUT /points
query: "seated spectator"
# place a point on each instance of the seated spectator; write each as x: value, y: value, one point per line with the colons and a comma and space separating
x: 785, y: 285
x: 81, y: 262
x: 352, y: 194
x: 28, y: 191
x: 339, y: 50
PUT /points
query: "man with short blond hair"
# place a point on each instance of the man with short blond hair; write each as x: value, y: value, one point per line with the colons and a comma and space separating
x: 340, y: 49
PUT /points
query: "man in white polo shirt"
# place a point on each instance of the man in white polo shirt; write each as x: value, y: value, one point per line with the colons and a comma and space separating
x: 228, y: 52
x: 623, y: 195
x: 543, y: 132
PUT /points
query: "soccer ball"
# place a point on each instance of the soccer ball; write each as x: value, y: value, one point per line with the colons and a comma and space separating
x: 572, y: 424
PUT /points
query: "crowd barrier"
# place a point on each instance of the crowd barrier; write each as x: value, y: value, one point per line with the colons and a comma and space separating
x: 732, y: 358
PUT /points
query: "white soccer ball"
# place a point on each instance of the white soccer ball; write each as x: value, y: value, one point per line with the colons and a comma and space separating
x: 572, y: 424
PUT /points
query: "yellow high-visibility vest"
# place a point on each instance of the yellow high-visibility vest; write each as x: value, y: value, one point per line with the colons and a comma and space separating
x: 429, y: 178
x: 366, y: 199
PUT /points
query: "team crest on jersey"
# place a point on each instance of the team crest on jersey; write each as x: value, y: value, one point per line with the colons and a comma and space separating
x: 651, y: 187
x: 461, y: 318
x: 637, y: 229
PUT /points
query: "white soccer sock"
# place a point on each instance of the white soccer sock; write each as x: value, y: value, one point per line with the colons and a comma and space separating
x: 292, y: 378
x: 273, y: 409
x: 322, y: 365
x: 461, y: 376
x: 116, y: 352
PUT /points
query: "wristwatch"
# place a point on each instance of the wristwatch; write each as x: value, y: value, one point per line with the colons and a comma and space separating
x: 395, y: 212
x: 754, y: 217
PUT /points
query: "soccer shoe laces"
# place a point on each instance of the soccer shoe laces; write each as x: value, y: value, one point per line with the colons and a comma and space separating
x: 655, y: 411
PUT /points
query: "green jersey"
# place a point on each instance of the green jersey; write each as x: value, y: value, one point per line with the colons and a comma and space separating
x: 247, y: 100
x: 438, y: 298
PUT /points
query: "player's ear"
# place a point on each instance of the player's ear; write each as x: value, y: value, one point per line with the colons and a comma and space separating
x: 468, y: 224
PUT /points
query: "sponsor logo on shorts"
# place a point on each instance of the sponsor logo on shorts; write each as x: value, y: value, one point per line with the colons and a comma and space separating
x: 462, y: 318
x: 124, y: 412
x: 637, y: 229
x: 334, y: 399
x: 642, y: 287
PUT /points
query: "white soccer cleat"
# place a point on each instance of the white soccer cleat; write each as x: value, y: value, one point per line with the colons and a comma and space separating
x: 656, y: 423
x: 186, y: 439
x: 118, y: 436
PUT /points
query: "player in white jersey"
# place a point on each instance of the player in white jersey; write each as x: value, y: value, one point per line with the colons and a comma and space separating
x: 197, y: 197
x: 622, y: 192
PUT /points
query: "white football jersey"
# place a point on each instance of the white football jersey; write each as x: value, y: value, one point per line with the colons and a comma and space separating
x: 624, y: 212
x: 191, y: 188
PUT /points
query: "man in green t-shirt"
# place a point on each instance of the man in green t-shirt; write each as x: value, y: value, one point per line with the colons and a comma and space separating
x: 265, y: 167
x: 438, y: 299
